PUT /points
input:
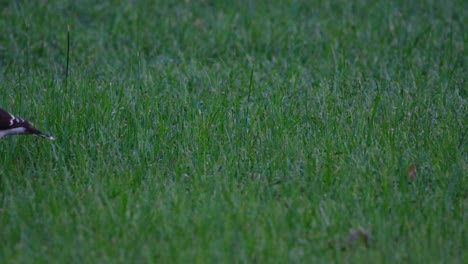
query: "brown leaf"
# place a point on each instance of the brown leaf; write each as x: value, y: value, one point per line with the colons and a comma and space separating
x: 355, y: 237
x: 411, y: 171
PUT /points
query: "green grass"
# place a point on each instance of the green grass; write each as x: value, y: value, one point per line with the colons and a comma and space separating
x: 234, y: 131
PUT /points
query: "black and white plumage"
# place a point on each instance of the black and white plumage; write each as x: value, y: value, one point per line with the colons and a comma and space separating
x: 12, y: 125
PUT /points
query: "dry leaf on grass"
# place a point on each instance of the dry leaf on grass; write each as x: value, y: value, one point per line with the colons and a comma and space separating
x: 411, y: 171
x: 356, y: 237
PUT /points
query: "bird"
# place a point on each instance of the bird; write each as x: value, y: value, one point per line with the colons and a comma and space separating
x: 12, y: 125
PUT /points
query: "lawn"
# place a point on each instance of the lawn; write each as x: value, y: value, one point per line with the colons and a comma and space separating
x: 244, y: 131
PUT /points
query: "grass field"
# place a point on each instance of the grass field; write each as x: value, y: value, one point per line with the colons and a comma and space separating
x: 235, y: 131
